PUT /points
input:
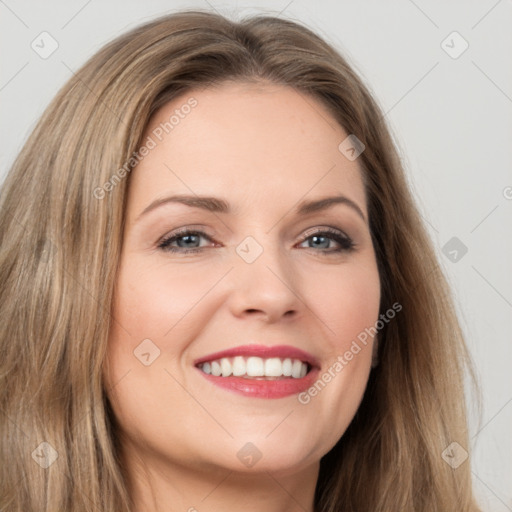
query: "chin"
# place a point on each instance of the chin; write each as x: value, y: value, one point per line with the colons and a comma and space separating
x: 273, y: 454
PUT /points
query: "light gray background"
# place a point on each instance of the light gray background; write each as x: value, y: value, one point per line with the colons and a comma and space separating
x: 451, y: 118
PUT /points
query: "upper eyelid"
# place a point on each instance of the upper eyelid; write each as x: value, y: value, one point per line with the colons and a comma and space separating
x: 321, y: 229
x: 203, y: 231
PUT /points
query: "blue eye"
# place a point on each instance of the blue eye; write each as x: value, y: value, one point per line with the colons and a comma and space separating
x: 320, y: 238
x: 188, y: 241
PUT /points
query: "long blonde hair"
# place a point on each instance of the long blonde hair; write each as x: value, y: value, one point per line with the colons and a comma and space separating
x: 60, y: 247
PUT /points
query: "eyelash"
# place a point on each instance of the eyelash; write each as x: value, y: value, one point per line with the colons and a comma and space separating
x: 346, y: 243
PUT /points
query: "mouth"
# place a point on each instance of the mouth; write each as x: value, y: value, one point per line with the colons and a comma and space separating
x: 253, y: 367
x: 260, y: 371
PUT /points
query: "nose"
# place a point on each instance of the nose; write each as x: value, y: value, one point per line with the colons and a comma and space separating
x: 265, y: 288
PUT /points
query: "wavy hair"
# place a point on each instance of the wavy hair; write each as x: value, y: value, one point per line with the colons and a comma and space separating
x: 60, y: 248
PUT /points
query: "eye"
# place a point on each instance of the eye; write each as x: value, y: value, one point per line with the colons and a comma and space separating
x: 187, y: 241
x: 321, y: 239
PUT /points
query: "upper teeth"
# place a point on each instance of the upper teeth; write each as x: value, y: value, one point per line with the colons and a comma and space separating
x: 255, y: 367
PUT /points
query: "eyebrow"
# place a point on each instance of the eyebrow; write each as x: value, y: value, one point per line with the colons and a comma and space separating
x: 218, y: 205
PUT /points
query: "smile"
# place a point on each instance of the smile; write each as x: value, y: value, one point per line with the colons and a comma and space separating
x: 260, y: 371
x: 251, y: 367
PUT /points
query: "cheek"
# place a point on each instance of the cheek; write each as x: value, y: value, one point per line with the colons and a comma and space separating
x: 157, y: 310
x: 149, y: 331
x: 347, y: 301
x: 154, y: 300
x: 161, y: 303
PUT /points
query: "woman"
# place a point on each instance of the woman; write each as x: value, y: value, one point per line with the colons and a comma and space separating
x: 217, y: 291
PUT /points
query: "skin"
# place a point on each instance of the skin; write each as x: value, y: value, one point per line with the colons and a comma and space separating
x: 262, y: 148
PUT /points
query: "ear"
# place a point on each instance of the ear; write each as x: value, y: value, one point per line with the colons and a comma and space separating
x: 375, y: 351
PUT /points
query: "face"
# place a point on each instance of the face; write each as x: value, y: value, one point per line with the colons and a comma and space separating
x: 282, y: 287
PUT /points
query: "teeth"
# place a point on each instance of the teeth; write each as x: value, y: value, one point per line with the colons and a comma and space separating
x: 273, y: 367
x: 225, y: 366
x: 240, y: 366
x: 216, y: 368
x: 296, y: 369
x: 287, y: 367
x: 255, y: 367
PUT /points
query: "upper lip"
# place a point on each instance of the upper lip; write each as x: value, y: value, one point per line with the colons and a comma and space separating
x: 281, y: 351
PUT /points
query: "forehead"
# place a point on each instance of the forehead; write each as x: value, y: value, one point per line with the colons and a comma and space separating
x: 261, y: 145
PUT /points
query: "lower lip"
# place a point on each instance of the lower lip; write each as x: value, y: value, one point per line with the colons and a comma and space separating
x: 264, y: 388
